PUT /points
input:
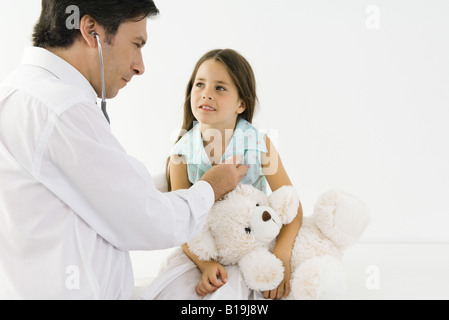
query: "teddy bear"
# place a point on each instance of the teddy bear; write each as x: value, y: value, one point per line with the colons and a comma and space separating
x: 241, y: 229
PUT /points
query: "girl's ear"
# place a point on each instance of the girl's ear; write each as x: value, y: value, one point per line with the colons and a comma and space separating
x: 242, y: 107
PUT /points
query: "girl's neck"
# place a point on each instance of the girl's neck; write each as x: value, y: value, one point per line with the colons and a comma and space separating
x: 216, y: 139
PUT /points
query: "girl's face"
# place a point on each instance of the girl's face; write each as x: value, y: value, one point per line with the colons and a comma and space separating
x: 214, y: 98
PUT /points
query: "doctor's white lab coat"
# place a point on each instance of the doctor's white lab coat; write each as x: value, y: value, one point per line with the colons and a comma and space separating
x: 72, y: 201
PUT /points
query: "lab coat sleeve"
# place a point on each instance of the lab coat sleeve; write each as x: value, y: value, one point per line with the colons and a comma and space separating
x: 87, y: 168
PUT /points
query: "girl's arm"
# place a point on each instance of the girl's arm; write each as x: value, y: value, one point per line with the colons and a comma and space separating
x: 210, y: 269
x: 277, y: 177
x: 178, y: 173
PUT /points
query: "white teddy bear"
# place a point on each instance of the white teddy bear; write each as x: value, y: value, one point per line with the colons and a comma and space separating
x: 242, y: 229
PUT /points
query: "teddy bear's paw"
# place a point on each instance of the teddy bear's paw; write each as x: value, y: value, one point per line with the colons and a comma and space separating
x: 262, y: 270
x: 342, y: 217
x: 320, y: 278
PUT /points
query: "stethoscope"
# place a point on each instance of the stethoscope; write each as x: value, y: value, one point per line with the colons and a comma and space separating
x: 103, y: 90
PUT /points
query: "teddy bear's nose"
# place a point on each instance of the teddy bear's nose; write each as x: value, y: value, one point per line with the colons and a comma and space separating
x: 266, y: 216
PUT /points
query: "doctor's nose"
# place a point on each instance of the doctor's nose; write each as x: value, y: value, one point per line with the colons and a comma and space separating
x: 139, y: 69
x: 138, y: 66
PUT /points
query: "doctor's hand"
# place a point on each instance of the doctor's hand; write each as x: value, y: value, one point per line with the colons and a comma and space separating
x: 225, y: 176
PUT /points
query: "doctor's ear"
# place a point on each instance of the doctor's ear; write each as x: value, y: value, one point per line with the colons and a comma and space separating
x: 88, y: 27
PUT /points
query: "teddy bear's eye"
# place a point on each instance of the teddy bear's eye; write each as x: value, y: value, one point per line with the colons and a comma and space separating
x: 257, y: 204
x: 248, y: 230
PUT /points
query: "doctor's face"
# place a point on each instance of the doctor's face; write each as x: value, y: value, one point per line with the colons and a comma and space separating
x: 123, y: 58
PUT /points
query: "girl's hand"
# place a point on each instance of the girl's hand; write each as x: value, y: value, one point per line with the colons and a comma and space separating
x: 214, y: 276
x: 284, y: 287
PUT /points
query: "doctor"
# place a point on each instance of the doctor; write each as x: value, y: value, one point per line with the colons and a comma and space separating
x: 72, y: 201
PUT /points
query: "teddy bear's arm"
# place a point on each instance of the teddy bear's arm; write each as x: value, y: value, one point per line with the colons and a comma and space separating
x: 203, y: 246
x: 261, y: 270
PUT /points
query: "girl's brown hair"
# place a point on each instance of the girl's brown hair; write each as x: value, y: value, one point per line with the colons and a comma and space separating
x: 243, y: 78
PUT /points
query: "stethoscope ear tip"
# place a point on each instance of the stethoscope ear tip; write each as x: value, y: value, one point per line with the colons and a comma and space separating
x: 103, y: 90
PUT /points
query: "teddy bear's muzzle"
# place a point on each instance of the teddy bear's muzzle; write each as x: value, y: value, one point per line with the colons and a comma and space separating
x: 265, y: 224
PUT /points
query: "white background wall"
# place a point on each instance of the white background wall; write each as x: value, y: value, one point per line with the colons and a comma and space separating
x: 355, y: 92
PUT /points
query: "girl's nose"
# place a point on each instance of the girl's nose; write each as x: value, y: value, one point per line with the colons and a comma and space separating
x: 207, y: 93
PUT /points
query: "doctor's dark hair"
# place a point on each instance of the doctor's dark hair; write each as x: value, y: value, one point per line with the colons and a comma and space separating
x: 242, y: 76
x: 51, y: 30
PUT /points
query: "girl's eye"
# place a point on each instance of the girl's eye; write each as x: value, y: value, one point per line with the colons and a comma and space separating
x: 199, y: 85
x: 221, y: 89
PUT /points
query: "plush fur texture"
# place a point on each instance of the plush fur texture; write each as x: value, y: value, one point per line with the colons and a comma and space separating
x: 242, y: 228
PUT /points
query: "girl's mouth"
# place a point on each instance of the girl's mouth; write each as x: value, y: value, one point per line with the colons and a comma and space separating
x: 207, y: 108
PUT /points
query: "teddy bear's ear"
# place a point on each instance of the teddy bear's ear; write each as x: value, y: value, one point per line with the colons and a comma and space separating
x: 203, y: 245
x: 285, y: 201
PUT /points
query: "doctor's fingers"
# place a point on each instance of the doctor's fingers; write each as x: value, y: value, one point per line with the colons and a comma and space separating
x: 237, y: 165
x: 242, y: 169
x: 235, y: 160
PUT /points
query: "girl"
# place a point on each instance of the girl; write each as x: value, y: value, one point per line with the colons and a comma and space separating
x: 218, y: 111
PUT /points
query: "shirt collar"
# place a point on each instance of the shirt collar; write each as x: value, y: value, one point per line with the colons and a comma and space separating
x: 60, y: 68
x: 200, y: 155
x: 245, y: 137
